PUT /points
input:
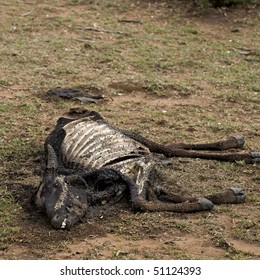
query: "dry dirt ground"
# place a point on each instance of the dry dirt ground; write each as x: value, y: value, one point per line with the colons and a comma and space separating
x: 167, y: 70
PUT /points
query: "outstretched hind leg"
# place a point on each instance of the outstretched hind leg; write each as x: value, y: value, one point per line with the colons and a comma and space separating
x: 233, y: 142
x: 193, y: 150
x: 139, y: 203
x: 232, y: 195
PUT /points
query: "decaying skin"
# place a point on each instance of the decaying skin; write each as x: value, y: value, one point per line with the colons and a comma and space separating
x: 91, y: 163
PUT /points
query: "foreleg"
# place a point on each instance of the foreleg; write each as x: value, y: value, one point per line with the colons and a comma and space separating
x: 184, y: 205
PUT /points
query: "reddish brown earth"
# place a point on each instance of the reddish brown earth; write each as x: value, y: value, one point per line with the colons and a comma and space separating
x: 184, y: 96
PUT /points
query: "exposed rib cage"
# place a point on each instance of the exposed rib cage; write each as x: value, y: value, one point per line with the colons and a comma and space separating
x: 92, y: 144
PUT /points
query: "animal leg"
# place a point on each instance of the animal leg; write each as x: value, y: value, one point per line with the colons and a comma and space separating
x: 139, y: 203
x: 201, y: 204
x: 232, y: 195
x: 231, y: 143
x: 170, y: 151
x: 173, y: 198
x: 250, y: 157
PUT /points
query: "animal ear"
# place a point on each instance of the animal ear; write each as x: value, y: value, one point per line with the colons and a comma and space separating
x: 52, y: 161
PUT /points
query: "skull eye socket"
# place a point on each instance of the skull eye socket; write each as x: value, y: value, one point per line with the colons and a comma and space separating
x: 56, y: 184
x: 76, y: 181
x: 69, y: 207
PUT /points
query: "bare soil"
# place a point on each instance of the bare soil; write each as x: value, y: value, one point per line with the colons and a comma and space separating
x: 173, y: 74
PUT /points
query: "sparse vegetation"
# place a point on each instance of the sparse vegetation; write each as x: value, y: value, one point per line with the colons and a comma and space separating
x: 165, y: 73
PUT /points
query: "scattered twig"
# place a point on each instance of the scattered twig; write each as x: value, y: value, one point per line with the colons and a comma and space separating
x: 90, y: 28
x: 4, y: 86
x: 13, y: 88
x: 223, y: 11
x: 252, y: 60
x: 27, y: 14
x: 85, y: 40
x: 245, y: 51
x: 130, y: 21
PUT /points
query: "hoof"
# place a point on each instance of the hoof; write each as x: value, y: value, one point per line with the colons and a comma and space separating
x: 255, y: 157
x: 240, y: 140
x: 239, y: 195
x: 205, y: 203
